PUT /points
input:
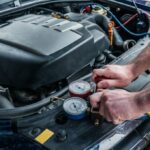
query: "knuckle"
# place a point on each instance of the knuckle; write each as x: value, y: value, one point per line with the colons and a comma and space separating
x: 108, y: 69
x: 108, y: 103
x: 105, y: 84
x: 94, y: 73
x: 109, y: 66
x: 105, y: 96
x: 95, y: 70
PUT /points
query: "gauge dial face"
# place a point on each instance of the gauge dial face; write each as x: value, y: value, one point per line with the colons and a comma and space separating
x: 75, y: 106
x: 79, y: 87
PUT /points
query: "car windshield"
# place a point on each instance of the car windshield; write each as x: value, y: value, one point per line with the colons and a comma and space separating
x: 143, y: 2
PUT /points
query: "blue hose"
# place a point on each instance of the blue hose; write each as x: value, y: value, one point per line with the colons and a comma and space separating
x: 117, y: 20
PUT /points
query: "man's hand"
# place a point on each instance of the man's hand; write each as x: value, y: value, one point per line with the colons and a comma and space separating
x: 113, y: 76
x: 117, y: 105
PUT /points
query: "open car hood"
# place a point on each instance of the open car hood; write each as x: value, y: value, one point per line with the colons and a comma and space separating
x: 9, y: 4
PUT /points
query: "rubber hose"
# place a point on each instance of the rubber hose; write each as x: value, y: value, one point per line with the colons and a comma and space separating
x: 103, y: 22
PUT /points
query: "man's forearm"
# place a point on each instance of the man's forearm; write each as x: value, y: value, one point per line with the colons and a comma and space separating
x: 141, y: 63
x: 144, y: 100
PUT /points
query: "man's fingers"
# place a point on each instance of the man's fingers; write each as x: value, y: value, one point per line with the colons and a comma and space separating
x: 102, y: 107
x: 95, y: 99
x: 98, y: 74
x: 108, y: 84
x: 117, y: 122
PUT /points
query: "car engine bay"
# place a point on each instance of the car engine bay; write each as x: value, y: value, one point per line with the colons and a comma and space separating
x: 45, y: 49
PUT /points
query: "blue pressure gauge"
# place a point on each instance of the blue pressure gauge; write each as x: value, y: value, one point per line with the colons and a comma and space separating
x: 75, y: 108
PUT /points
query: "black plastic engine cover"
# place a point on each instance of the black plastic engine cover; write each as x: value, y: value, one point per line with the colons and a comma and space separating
x: 38, y: 50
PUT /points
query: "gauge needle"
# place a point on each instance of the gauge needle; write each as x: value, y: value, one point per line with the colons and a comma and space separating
x: 75, y: 107
x: 79, y: 87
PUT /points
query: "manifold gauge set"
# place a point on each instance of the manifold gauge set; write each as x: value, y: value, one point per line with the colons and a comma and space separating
x: 76, y: 106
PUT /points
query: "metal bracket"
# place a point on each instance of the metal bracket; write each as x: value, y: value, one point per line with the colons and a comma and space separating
x: 96, y: 118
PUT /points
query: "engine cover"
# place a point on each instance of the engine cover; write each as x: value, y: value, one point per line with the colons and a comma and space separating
x: 37, y: 50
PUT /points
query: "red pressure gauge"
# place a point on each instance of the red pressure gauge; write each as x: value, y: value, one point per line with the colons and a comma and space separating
x: 80, y: 89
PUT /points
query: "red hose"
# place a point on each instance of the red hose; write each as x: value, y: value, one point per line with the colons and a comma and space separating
x: 128, y: 21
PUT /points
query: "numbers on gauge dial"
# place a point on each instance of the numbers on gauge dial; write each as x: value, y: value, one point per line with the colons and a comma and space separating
x: 80, y: 87
x: 75, y: 106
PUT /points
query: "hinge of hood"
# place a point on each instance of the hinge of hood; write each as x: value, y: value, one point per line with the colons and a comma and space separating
x: 17, y: 3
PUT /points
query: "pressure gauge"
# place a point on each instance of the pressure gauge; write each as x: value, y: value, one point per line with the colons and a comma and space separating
x: 80, y: 89
x: 75, y: 108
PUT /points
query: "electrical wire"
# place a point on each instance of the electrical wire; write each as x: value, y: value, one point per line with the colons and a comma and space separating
x: 135, y: 5
x: 118, y: 21
x: 128, y: 21
x: 148, y: 15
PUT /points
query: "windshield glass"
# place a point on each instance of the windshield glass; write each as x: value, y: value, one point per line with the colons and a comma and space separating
x: 143, y: 2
